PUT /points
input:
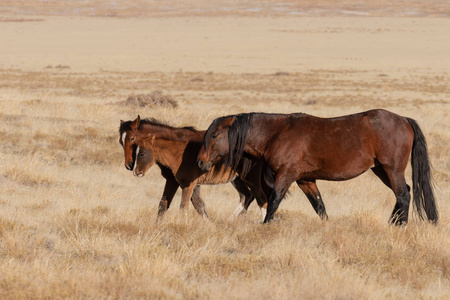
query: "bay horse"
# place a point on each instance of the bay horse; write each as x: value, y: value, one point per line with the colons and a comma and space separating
x: 304, y: 148
x: 147, y: 142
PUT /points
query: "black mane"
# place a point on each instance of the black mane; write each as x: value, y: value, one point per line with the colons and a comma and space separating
x: 237, y: 134
x: 152, y: 121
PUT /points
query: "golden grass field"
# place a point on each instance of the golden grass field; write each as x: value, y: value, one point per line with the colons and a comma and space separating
x: 74, y: 223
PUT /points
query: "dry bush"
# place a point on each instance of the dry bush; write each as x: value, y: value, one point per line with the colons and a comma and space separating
x: 156, y: 98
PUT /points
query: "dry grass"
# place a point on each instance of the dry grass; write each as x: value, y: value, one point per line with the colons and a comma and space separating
x: 74, y: 223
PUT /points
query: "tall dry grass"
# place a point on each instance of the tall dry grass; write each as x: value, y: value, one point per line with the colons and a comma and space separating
x: 75, y: 224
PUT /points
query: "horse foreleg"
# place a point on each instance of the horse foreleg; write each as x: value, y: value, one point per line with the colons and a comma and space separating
x: 281, y: 186
x: 186, y: 194
x: 198, y: 203
x: 263, y: 209
x: 312, y: 193
x: 169, y: 192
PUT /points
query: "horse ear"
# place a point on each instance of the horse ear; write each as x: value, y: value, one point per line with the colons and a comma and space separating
x: 149, y: 141
x: 121, y: 122
x: 135, y: 124
x: 229, y: 121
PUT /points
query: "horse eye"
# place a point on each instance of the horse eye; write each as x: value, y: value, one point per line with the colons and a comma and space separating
x: 141, y: 154
x: 132, y: 139
x: 214, y: 135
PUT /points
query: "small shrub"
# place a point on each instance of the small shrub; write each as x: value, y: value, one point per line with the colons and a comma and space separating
x: 157, y: 98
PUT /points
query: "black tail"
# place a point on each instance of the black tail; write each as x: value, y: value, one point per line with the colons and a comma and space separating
x: 421, y: 176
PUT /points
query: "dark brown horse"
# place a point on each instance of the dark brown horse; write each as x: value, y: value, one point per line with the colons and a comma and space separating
x: 174, y: 150
x: 303, y: 148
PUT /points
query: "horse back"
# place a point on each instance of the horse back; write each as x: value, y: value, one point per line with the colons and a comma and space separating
x: 342, y: 146
x: 370, y: 130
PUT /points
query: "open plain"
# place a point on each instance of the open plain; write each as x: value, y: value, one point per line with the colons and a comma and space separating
x: 74, y: 223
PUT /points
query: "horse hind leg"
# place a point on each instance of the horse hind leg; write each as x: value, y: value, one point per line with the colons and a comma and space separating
x: 396, y: 182
x: 312, y: 193
x: 379, y: 171
x: 400, y: 213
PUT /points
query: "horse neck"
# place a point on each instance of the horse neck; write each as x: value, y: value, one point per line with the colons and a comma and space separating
x: 169, y: 144
x: 168, y: 133
x: 166, y: 152
x: 264, y: 127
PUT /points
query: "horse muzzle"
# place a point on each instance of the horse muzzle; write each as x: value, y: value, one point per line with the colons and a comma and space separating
x: 204, y: 166
x: 129, y: 167
x: 138, y: 174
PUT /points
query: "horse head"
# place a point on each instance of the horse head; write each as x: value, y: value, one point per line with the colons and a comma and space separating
x: 128, y: 132
x: 144, y: 157
x: 216, y: 143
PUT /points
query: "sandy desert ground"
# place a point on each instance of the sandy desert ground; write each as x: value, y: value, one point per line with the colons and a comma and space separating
x: 74, y: 223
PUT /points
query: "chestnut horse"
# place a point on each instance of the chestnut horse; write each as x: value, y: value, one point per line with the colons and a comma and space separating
x: 174, y: 150
x: 303, y: 148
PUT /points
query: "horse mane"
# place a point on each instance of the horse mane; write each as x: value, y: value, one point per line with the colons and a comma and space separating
x: 125, y: 126
x: 152, y: 121
x: 237, y: 134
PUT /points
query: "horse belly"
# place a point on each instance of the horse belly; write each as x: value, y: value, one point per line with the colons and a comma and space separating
x: 338, y: 167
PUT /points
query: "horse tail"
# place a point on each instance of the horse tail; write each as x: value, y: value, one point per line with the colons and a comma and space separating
x: 423, y: 195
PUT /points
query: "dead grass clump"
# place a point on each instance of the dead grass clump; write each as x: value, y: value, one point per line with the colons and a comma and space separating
x: 27, y: 177
x: 219, y: 266
x: 61, y: 67
x: 6, y: 226
x: 157, y: 98
x: 92, y: 132
x: 97, y: 157
x: 281, y: 73
x: 81, y: 224
x: 197, y: 79
x: 44, y: 204
x: 180, y: 237
x: 34, y: 102
x: 100, y: 210
x: 254, y: 238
